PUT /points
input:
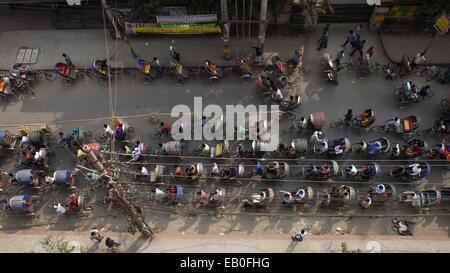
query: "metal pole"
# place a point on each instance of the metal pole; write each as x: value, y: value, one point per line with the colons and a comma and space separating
x: 226, y: 29
x: 262, y: 24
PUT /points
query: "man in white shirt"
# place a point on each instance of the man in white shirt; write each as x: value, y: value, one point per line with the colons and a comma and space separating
x: 419, y: 59
x: 300, y: 194
x: 25, y: 140
x: 316, y: 137
x: 300, y: 235
x: 415, y: 169
x: 380, y: 189
x: 144, y: 171
x: 107, y: 131
x: 397, y: 123
x: 59, y: 209
x: 278, y: 96
x: 324, y: 146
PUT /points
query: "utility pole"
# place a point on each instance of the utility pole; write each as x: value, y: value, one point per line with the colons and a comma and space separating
x: 226, y: 29
x: 262, y: 24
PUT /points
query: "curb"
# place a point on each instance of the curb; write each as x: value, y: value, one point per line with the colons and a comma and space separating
x: 392, y: 61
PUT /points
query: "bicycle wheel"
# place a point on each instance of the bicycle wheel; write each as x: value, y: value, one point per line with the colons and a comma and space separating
x: 38, y: 74
x: 377, y: 128
x: 49, y: 76
x: 156, y: 134
x: 397, y: 91
x: 336, y: 124
x: 430, y: 93
x: 289, y: 115
x: 426, y: 73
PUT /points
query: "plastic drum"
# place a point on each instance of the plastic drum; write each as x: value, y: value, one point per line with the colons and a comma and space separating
x: 36, y: 138
x: 18, y: 203
x: 318, y: 119
x: 62, y: 177
x: 95, y: 148
x: 26, y: 177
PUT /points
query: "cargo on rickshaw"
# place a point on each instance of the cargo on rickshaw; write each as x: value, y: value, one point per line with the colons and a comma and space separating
x: 216, y: 199
x: 194, y: 171
x: 365, y: 120
x: 28, y: 177
x: 24, y: 73
x: 414, y: 172
x: 329, y: 70
x: 422, y: 199
x: 273, y: 170
x: 171, y: 195
x: 172, y: 148
x: 8, y: 140
x: 316, y: 121
x: 6, y: 89
x: 156, y: 176
x: 229, y: 173
x: 341, y: 195
x: 299, y: 197
x: 22, y: 203
x: 259, y: 199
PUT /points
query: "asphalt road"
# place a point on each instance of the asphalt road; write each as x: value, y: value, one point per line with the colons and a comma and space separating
x: 87, y: 99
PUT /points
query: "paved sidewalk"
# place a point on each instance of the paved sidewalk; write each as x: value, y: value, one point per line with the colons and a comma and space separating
x: 26, y: 241
x: 84, y: 46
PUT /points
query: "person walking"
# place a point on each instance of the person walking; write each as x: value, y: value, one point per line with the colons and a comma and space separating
x: 359, y: 47
x: 157, y: 63
x: 299, y: 236
x: 259, y: 53
x: 111, y: 244
x: 350, y: 38
x: 338, y: 59
x: 67, y: 59
x: 419, y: 59
x: 370, y: 52
x: 358, y: 31
x: 323, y: 41
x: 96, y: 235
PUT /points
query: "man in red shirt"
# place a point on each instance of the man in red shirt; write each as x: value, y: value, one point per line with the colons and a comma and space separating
x: 370, y: 51
x: 165, y: 128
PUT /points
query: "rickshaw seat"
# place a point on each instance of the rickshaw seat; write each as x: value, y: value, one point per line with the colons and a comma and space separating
x: 218, y: 149
x: 147, y: 68
x: 66, y: 70
x: 407, y: 125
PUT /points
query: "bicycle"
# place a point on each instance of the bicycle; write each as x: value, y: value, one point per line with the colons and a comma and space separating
x: 158, y: 133
x: 430, y: 73
x: 287, y: 114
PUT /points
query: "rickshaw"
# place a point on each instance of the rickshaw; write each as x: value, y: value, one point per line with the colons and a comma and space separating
x: 62, y: 177
x: 365, y: 120
x: 145, y: 67
x: 339, y: 147
x: 260, y: 148
x: 216, y: 198
x: 122, y: 130
x: 278, y: 65
x: 329, y: 70
x: 299, y: 147
x: 22, y: 203
x: 244, y: 69
x: 405, y: 65
x: 211, y: 69
x: 34, y: 156
x: 172, y: 195
x: 375, y: 147
x: 28, y: 177
x: 325, y: 171
x: 23, y: 73
x: 260, y: 84
x: 8, y: 140
x: 288, y: 105
x: 300, y: 197
x: 406, y: 94
x: 436, y: 153
x: 364, y: 65
x: 101, y: 71
x: 195, y: 171
x: 414, y: 147
x: 273, y: 170
x: 406, y: 128
x: 405, y: 173
x: 221, y: 148
x: 343, y: 193
x: 260, y: 199
x: 365, y: 173
x: 172, y: 148
x: 157, y: 174
x: 426, y: 198
x: 375, y: 196
x: 67, y: 72
x: 6, y: 89
x: 230, y: 173
x: 175, y: 68
x: 316, y: 121
x: 37, y: 138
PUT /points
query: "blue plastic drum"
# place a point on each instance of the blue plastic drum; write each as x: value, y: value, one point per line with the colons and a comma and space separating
x: 62, y: 177
x: 19, y: 203
x: 2, y: 137
x: 179, y: 192
x: 26, y: 177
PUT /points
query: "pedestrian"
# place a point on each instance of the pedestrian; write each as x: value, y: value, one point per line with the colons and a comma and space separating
x: 177, y: 57
x: 338, y: 59
x: 323, y: 41
x: 370, y: 52
x: 144, y: 171
x: 258, y: 54
x: 299, y: 236
x: 359, y: 47
x: 111, y: 244
x: 178, y: 172
x: 424, y: 91
x: 325, y: 29
x: 107, y: 131
x: 96, y: 235
x: 419, y: 59
x: 64, y: 137
x: 358, y: 31
x: 157, y: 63
x: 67, y: 59
x: 350, y: 38
x: 59, y: 208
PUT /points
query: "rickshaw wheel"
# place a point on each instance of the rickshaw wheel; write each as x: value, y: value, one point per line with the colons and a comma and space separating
x: 377, y: 129
x: 289, y: 115
x: 335, y: 124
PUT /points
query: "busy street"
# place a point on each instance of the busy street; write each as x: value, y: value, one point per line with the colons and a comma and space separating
x: 88, y: 141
